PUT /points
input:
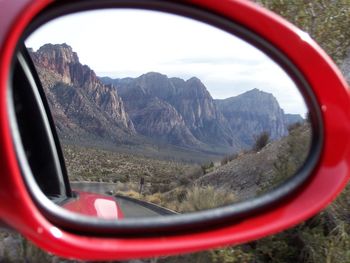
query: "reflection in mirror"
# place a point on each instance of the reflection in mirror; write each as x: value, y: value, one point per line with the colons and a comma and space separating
x: 164, y: 115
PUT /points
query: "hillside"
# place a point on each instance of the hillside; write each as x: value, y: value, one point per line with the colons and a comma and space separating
x: 251, y: 173
x: 189, y: 187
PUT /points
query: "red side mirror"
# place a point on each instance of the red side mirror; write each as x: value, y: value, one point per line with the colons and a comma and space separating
x: 32, y: 210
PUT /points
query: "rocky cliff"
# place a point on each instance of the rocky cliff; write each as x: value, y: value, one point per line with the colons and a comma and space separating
x: 252, y: 113
x: 81, y: 104
x: 187, y: 108
x: 233, y: 122
x: 152, y: 106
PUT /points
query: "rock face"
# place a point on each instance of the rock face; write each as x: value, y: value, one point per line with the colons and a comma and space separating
x: 185, y: 107
x: 252, y: 113
x: 232, y: 122
x: 152, y: 106
x: 81, y: 104
x: 160, y: 120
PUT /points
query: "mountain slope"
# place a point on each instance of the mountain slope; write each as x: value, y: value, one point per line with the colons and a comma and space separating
x: 251, y: 173
x: 80, y: 103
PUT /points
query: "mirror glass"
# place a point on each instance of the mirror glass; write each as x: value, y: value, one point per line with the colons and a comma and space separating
x: 158, y: 114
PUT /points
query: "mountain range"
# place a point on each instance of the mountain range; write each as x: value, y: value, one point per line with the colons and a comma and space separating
x: 152, y: 107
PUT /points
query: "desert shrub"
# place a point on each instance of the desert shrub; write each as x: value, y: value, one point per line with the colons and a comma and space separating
x: 199, y: 257
x: 283, y: 168
x: 231, y: 255
x: 228, y: 158
x: 195, y: 198
x: 261, y: 141
x: 323, y: 238
x: 176, y: 195
x: 161, y: 187
x: 294, y: 153
x: 294, y: 126
x: 131, y: 193
x: 299, y: 142
x: 224, y: 255
x: 207, y: 167
x: 155, y: 198
x: 183, y: 180
x: 193, y: 172
x: 224, y: 160
x: 306, y: 243
x: 205, y: 197
x: 124, y: 187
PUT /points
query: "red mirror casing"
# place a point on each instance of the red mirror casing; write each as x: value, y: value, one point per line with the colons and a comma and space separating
x: 18, y: 211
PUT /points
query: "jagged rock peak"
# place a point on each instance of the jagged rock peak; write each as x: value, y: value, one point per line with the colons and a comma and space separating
x: 194, y: 80
x: 79, y: 100
x: 186, y: 107
x: 153, y: 74
x: 59, y: 52
x: 59, y: 58
x: 257, y: 92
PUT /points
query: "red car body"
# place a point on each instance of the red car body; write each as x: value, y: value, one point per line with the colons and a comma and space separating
x: 18, y: 210
x: 95, y: 205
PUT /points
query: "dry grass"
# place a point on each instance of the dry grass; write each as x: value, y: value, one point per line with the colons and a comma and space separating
x: 205, y: 197
x: 132, y: 194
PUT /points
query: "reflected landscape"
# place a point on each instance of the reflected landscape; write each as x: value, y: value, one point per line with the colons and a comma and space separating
x: 169, y: 124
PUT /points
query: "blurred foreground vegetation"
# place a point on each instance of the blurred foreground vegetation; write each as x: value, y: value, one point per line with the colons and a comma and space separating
x: 326, y: 21
x: 322, y: 239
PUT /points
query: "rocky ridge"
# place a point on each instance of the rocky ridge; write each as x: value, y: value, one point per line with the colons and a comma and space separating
x: 193, y: 120
x: 168, y: 110
x: 232, y: 122
x: 80, y: 103
x: 252, y: 113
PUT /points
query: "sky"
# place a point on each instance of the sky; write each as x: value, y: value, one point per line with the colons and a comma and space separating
x: 129, y: 43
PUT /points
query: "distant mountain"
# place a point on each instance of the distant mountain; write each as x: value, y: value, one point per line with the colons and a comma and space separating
x: 81, y: 104
x: 116, y: 82
x: 188, y: 110
x: 252, y: 113
x: 234, y: 121
x: 152, y: 108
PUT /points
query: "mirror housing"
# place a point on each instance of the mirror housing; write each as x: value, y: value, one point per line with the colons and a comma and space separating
x: 19, y: 211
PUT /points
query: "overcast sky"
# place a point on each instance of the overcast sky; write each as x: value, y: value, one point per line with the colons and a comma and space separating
x: 129, y: 43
